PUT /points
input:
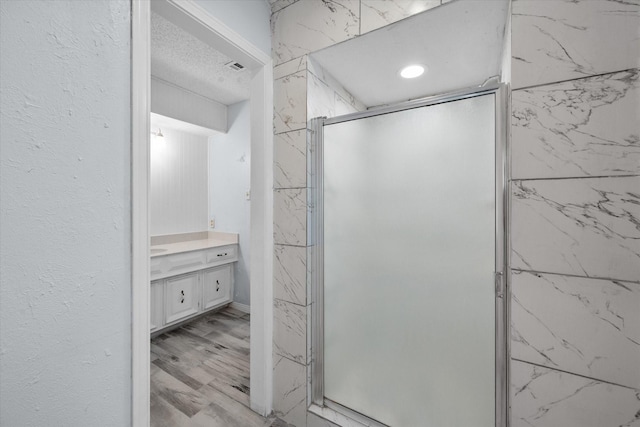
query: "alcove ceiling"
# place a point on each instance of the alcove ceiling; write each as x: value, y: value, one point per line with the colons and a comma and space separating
x: 462, y: 43
x: 180, y: 58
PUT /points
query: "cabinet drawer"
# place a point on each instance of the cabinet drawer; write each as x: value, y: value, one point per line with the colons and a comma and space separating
x: 220, y: 254
x: 181, y: 297
x: 216, y: 286
x: 188, y: 261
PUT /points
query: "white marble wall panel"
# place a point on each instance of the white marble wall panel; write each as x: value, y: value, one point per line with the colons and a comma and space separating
x: 589, y: 327
x: 584, y: 227
x: 276, y: 5
x: 321, y: 100
x: 289, y: 103
x: 343, y: 107
x: 328, y: 79
x: 560, y: 40
x: 307, y: 26
x: 290, y: 67
x: 290, y: 391
x: 378, y: 13
x: 290, y: 330
x: 290, y: 162
x: 542, y: 397
x: 585, y: 127
x: 290, y: 217
x: 290, y: 274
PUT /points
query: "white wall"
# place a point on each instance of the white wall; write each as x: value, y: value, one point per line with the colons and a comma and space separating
x: 175, y: 102
x: 249, y: 18
x: 179, y: 183
x: 65, y: 340
x: 229, y: 180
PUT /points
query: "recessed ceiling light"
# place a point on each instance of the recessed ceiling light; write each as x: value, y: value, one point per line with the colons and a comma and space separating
x: 412, y: 71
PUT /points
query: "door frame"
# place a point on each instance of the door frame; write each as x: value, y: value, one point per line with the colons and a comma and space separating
x: 261, y: 213
x: 326, y: 408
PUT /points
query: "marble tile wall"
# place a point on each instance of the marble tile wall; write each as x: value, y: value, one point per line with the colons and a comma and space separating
x: 378, y: 13
x: 290, y: 391
x: 307, y: 26
x: 554, y: 41
x: 580, y: 128
x: 326, y: 97
x: 303, y: 90
x: 585, y: 227
x: 546, y: 312
x: 575, y: 198
x: 545, y: 397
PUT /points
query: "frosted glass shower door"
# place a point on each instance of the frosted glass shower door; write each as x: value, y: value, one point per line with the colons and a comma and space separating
x: 409, y: 261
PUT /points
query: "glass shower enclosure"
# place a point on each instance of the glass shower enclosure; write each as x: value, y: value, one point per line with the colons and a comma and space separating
x: 408, y: 216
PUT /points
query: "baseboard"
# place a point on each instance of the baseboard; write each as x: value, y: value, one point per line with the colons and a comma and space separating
x: 241, y: 307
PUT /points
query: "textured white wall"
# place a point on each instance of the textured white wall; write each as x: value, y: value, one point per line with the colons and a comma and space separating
x: 249, y: 18
x: 179, y: 183
x: 65, y: 341
x: 229, y: 180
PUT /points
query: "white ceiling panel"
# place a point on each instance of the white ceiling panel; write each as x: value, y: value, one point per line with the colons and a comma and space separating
x: 461, y: 43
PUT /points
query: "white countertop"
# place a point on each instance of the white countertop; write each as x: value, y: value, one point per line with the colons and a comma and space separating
x: 214, y: 240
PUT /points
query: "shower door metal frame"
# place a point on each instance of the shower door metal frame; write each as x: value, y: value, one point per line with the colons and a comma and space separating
x: 315, y: 257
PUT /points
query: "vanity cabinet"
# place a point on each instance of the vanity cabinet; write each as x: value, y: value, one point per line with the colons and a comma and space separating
x: 181, y: 297
x: 187, y: 284
x: 216, y: 286
x: 156, y: 315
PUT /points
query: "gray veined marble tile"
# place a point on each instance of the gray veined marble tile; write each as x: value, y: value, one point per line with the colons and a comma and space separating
x: 290, y: 67
x: 560, y: 40
x: 341, y: 95
x: 290, y: 330
x: 290, y: 217
x: 584, y: 227
x: 542, y: 397
x: 378, y: 13
x: 290, y: 151
x: 307, y: 26
x: 589, y: 327
x: 320, y: 98
x: 290, y: 391
x: 289, y: 103
x: 290, y: 274
x: 276, y: 5
x: 344, y: 107
x: 585, y: 127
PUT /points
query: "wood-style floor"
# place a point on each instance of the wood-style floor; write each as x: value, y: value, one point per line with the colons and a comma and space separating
x: 200, y: 374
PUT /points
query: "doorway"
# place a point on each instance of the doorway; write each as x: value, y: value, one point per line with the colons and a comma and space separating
x: 216, y: 33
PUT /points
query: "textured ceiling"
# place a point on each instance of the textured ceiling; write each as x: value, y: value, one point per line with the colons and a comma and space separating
x: 180, y: 58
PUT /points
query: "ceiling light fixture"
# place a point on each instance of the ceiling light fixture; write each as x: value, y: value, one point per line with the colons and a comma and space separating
x: 412, y: 71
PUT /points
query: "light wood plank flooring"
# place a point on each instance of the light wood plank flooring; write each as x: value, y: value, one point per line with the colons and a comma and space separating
x: 200, y: 374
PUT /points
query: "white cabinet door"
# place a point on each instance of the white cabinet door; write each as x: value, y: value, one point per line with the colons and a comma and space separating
x: 156, y: 319
x: 216, y: 286
x: 182, y: 298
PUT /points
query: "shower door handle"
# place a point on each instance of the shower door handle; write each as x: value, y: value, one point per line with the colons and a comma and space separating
x: 499, y: 282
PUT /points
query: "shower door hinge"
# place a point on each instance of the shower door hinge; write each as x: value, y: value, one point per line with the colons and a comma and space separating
x: 499, y: 281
